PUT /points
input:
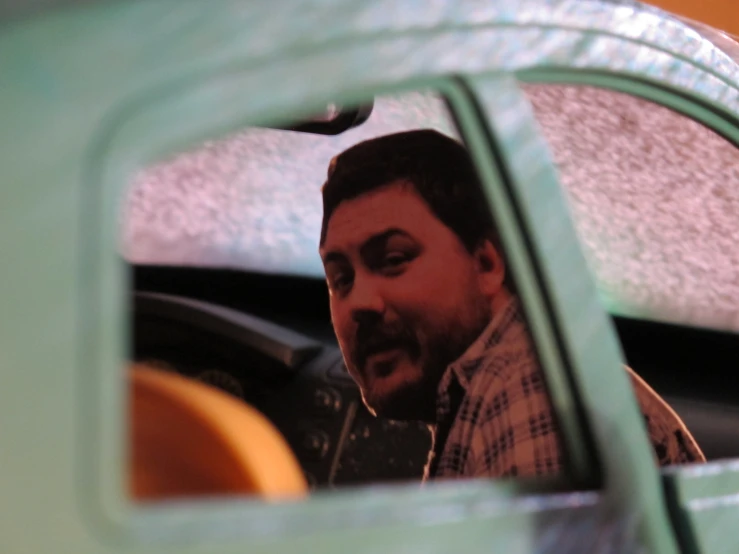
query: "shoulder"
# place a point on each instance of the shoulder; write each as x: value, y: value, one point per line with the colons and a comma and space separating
x: 671, y: 440
x: 515, y: 431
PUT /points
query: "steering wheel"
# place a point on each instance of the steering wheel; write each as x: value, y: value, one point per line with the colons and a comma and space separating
x: 188, y: 439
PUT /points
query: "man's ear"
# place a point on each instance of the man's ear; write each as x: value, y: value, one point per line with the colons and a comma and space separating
x: 491, y: 268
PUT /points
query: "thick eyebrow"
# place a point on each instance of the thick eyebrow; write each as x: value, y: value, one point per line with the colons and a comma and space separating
x: 333, y: 257
x: 375, y: 241
x: 379, y: 240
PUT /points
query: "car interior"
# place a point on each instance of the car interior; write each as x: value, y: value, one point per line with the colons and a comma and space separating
x: 227, y: 288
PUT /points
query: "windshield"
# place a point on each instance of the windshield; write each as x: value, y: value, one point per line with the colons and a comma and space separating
x: 654, y: 198
x: 252, y: 200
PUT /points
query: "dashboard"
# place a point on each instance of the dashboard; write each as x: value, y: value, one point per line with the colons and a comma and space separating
x: 268, y: 340
x: 298, y: 382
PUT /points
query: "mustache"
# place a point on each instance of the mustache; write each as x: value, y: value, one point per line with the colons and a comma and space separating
x: 371, y: 339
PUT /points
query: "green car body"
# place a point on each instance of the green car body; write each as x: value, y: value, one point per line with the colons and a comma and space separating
x: 89, y: 93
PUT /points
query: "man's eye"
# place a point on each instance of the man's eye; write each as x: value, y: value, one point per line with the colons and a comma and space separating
x: 395, y: 259
x: 340, y: 281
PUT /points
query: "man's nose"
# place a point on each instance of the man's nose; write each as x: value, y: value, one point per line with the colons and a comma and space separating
x: 367, y: 304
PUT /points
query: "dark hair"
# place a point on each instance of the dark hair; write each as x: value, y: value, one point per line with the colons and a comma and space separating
x: 438, y: 167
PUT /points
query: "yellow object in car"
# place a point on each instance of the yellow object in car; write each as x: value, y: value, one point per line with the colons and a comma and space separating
x: 188, y: 439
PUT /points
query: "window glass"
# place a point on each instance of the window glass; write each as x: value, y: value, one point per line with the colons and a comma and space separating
x: 249, y: 201
x: 655, y: 199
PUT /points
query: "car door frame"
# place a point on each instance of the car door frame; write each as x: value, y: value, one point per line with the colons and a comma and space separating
x: 81, y: 292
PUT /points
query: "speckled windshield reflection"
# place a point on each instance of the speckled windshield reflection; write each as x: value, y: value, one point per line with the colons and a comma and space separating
x: 252, y: 200
x: 654, y: 197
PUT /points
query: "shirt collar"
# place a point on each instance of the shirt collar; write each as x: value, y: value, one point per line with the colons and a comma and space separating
x: 467, y: 365
x: 456, y: 381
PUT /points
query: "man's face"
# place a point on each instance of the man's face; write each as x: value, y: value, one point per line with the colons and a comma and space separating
x: 407, y: 298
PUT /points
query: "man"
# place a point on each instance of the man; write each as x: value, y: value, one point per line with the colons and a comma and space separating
x: 426, y: 317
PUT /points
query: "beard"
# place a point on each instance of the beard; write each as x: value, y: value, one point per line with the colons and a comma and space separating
x: 406, y: 387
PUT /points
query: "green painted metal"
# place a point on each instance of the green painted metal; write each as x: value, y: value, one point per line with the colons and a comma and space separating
x: 705, y: 502
x: 90, y: 94
x: 588, y: 358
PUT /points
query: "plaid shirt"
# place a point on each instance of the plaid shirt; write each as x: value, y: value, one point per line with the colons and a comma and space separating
x: 495, y: 419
